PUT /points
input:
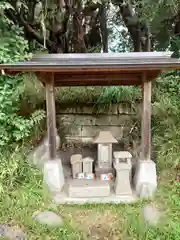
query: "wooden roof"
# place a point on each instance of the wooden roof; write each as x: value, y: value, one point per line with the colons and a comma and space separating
x: 96, y: 68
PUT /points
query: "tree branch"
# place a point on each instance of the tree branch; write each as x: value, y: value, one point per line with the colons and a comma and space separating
x: 103, y: 27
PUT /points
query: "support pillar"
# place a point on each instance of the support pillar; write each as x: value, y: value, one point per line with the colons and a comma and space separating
x: 145, y: 179
x: 53, y: 170
x: 146, y: 119
x: 51, y: 116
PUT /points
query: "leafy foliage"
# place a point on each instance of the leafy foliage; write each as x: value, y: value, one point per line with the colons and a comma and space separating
x: 12, y: 126
x: 14, y: 170
x: 119, y: 94
x: 166, y: 121
x: 13, y: 47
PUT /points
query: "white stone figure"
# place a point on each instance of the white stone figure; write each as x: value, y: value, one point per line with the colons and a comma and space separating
x: 53, y: 175
x: 145, y: 179
x: 76, y: 163
x: 104, y: 155
x: 123, y: 166
x: 87, y: 165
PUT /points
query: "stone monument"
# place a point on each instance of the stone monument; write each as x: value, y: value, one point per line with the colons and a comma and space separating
x: 122, y: 164
x: 87, y: 165
x: 104, y: 158
x: 54, y: 175
x: 76, y: 163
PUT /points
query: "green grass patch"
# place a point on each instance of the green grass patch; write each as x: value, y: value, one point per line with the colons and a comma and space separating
x: 34, y: 93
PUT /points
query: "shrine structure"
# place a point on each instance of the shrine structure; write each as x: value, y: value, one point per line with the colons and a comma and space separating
x: 99, y: 69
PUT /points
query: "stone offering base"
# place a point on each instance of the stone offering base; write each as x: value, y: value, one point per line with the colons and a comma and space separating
x: 96, y: 191
x: 99, y: 171
x: 64, y: 198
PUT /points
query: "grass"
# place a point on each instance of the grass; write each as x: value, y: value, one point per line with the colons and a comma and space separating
x: 22, y: 199
x: 34, y: 94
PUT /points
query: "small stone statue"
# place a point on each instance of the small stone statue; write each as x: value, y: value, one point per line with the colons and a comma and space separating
x: 76, y: 163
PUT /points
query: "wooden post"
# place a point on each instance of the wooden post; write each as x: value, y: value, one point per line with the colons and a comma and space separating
x: 51, y: 116
x: 146, y: 119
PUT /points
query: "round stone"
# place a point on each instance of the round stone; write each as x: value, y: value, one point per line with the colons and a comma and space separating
x: 11, y: 233
x: 151, y: 214
x: 48, y: 218
x: 3, y: 229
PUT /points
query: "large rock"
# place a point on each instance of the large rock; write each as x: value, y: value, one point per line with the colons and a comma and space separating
x: 41, y: 153
x: 48, y: 218
x: 11, y: 233
x: 151, y: 215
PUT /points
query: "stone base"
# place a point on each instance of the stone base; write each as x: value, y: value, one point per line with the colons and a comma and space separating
x: 99, y: 171
x: 145, y: 178
x: 88, y: 188
x: 122, y: 184
x: 53, y: 175
x: 63, y: 198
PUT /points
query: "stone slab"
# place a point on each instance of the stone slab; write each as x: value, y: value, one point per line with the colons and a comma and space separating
x: 63, y: 198
x: 88, y: 188
x: 113, y: 109
x: 54, y: 175
x: 93, y: 120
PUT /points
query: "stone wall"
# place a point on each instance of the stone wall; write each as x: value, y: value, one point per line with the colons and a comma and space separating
x: 83, y: 123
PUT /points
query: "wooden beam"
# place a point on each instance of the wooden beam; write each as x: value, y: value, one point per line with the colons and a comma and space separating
x: 51, y: 116
x: 146, y: 119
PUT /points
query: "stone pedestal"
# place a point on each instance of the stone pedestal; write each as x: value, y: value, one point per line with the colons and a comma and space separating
x: 145, y: 179
x: 76, y: 163
x: 99, y: 171
x: 123, y: 169
x: 53, y: 175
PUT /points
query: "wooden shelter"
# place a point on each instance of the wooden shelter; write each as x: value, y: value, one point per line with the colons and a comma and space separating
x: 97, y: 69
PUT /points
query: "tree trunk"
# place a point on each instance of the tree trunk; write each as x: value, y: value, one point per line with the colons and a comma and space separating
x: 138, y: 31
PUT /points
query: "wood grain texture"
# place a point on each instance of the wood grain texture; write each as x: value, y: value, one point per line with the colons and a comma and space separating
x: 146, y: 119
x: 51, y: 116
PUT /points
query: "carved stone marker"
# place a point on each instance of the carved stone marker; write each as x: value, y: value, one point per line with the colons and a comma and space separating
x: 122, y: 164
x: 87, y: 165
x: 76, y: 163
x: 53, y: 175
x: 104, y: 161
